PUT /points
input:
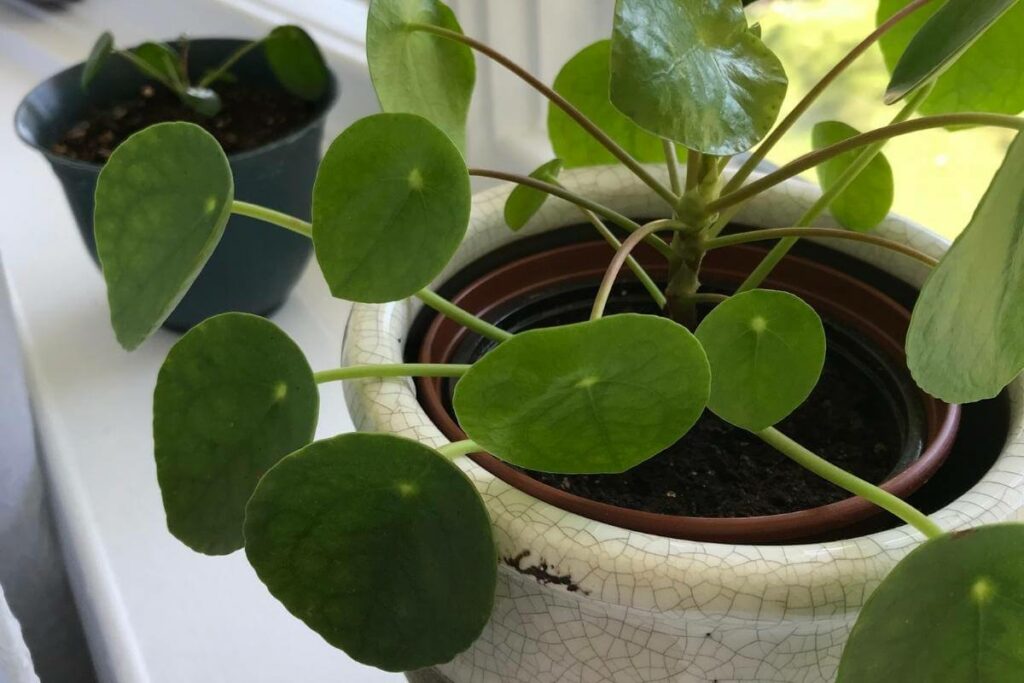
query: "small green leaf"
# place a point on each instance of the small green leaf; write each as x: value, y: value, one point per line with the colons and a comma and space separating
x: 418, y: 72
x: 390, y: 207
x: 584, y: 82
x: 598, y: 396
x: 944, y: 37
x: 988, y: 76
x: 101, y: 49
x: 162, y: 201
x: 202, y: 100
x: 296, y: 61
x: 160, y: 61
x: 868, y: 199
x: 234, y: 396
x: 378, y: 544
x: 951, y: 611
x: 766, y: 351
x: 966, y: 337
x: 692, y: 71
x: 523, y: 202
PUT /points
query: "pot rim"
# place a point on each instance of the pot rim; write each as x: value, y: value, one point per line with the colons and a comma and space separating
x: 327, y: 103
x: 635, y: 570
x: 942, y: 419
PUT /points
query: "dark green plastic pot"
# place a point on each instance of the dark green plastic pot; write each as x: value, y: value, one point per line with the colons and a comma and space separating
x: 256, y: 264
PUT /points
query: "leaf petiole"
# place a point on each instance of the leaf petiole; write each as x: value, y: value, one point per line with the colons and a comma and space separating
x: 835, y: 233
x: 612, y: 272
x: 390, y: 370
x: 457, y: 449
x: 462, y: 316
x: 282, y: 220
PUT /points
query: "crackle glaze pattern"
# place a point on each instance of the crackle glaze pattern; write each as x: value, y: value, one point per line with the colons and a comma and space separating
x: 654, y: 609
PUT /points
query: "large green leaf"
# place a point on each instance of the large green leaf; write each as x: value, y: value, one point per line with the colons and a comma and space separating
x: 951, y: 612
x: 766, y: 351
x: 867, y: 200
x: 390, y: 207
x: 966, y: 338
x: 162, y: 201
x: 418, y: 72
x: 296, y: 61
x: 598, y: 396
x: 523, y: 202
x: 583, y: 80
x: 234, y: 396
x: 380, y: 545
x: 101, y: 49
x: 691, y: 71
x: 989, y: 76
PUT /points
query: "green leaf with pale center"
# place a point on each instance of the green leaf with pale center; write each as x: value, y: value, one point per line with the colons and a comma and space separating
x: 101, y: 49
x: 987, y: 76
x: 390, y: 207
x: 966, y: 337
x: 380, y: 545
x: 766, y: 351
x: 951, y: 611
x: 583, y: 81
x: 234, y: 396
x: 418, y: 72
x: 296, y: 62
x: 162, y: 201
x: 692, y: 71
x: 523, y: 202
x: 598, y: 396
x: 867, y: 200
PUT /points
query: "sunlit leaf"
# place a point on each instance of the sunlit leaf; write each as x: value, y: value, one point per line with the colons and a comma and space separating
x: 766, y: 351
x: 296, y: 61
x: 692, y: 71
x: 378, y: 544
x: 966, y: 338
x: 162, y: 201
x: 988, y: 76
x: 101, y: 49
x: 599, y: 396
x: 523, y: 202
x: 418, y: 72
x: 868, y: 199
x: 234, y: 396
x: 390, y: 207
x: 952, y: 612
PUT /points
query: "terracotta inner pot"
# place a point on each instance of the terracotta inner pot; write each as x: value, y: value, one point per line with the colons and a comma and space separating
x: 838, y: 297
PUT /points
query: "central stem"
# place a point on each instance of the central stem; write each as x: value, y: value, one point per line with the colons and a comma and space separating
x: 685, y: 279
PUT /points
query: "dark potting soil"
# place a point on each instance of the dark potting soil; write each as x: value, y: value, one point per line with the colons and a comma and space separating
x: 251, y: 116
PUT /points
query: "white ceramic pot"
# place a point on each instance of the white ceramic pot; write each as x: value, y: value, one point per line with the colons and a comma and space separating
x: 652, y: 608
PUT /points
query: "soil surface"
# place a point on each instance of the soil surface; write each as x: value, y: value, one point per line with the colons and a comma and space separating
x: 250, y: 117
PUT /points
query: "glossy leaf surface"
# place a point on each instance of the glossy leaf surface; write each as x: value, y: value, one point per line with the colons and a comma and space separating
x: 162, y: 201
x: 380, y: 545
x: 234, y: 396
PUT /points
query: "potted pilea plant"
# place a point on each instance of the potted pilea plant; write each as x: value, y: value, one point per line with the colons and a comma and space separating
x: 264, y: 100
x: 410, y: 556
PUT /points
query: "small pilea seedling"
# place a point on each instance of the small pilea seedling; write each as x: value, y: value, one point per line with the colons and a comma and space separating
x: 291, y: 53
x: 382, y: 545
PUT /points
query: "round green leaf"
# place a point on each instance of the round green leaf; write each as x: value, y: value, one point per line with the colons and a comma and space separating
x: 983, y: 73
x: 380, y: 545
x: 598, y: 396
x: 296, y: 61
x: 867, y: 200
x: 234, y: 396
x: 966, y: 337
x: 766, y: 351
x: 101, y: 49
x: 418, y: 72
x: 523, y: 202
x: 691, y: 71
x: 390, y: 207
x: 160, y: 61
x: 584, y: 82
x: 162, y: 201
x: 952, y: 612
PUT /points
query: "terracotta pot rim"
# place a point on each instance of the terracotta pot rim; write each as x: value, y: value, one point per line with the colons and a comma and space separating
x: 796, y: 526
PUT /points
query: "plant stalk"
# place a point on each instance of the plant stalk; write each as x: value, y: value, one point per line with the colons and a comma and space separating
x: 458, y: 448
x: 638, y: 270
x: 461, y: 316
x: 390, y: 370
x: 282, y: 220
x: 854, y: 484
x: 612, y: 272
x: 212, y: 76
x: 672, y: 163
x: 579, y: 117
x: 836, y: 233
